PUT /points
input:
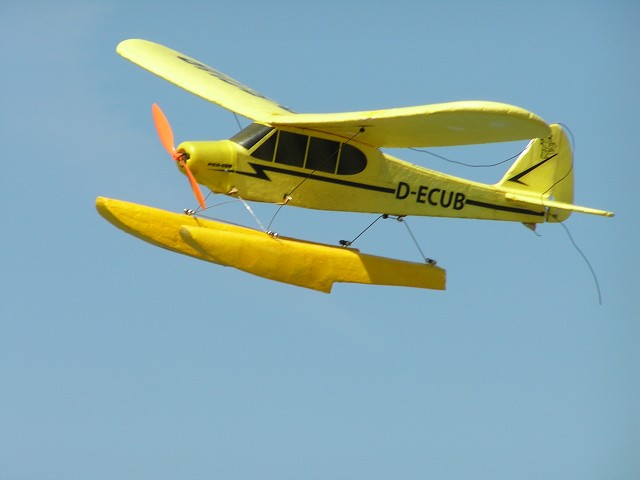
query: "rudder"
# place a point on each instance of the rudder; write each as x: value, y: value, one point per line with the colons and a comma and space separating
x: 544, y: 169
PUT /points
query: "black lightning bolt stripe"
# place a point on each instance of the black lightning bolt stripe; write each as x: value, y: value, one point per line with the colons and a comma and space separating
x: 516, y: 178
x: 503, y: 208
x: 260, y: 172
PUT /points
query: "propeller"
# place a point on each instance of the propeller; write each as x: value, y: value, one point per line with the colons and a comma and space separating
x: 166, y: 138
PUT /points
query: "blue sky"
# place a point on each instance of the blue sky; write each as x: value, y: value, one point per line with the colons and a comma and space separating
x: 120, y: 360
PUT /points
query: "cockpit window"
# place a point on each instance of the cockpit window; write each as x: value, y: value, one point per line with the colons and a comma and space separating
x: 302, y: 151
x: 266, y: 150
x: 292, y: 149
x: 251, y: 135
x: 323, y: 155
x: 352, y: 160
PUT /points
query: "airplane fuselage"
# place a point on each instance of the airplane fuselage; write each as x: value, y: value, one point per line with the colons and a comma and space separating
x: 319, y: 172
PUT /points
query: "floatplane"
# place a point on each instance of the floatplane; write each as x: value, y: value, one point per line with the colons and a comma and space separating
x: 334, y: 161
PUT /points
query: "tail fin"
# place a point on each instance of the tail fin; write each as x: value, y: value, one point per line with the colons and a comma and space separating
x: 544, y: 170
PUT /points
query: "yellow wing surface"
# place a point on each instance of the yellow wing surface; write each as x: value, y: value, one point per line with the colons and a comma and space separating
x: 199, y: 79
x: 438, y: 125
x: 455, y: 123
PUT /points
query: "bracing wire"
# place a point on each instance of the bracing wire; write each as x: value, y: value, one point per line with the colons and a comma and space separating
x: 200, y: 213
x: 198, y: 210
x: 275, y: 215
x: 346, y: 243
x: 235, y: 115
x: 250, y: 210
x: 470, y: 165
x: 403, y: 220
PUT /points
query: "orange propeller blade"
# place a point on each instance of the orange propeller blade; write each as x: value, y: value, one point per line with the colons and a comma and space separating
x: 166, y: 138
x: 164, y: 129
x: 194, y: 186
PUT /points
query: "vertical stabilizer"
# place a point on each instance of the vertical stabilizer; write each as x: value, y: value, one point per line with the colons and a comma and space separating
x: 544, y: 170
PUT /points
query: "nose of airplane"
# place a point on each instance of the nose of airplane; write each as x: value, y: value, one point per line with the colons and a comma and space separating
x: 208, y: 156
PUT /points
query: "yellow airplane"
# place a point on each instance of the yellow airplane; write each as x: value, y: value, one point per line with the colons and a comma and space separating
x: 333, y: 161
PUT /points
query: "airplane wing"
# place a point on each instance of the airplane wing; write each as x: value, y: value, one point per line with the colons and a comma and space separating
x: 200, y: 79
x: 437, y: 125
x: 443, y: 124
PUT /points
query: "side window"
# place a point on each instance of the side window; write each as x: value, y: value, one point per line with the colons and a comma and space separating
x: 323, y: 155
x: 292, y: 149
x: 266, y: 150
x: 352, y: 160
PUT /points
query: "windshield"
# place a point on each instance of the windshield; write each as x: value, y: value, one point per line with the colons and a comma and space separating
x: 251, y: 135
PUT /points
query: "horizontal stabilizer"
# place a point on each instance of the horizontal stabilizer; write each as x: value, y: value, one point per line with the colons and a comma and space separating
x: 557, y: 205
